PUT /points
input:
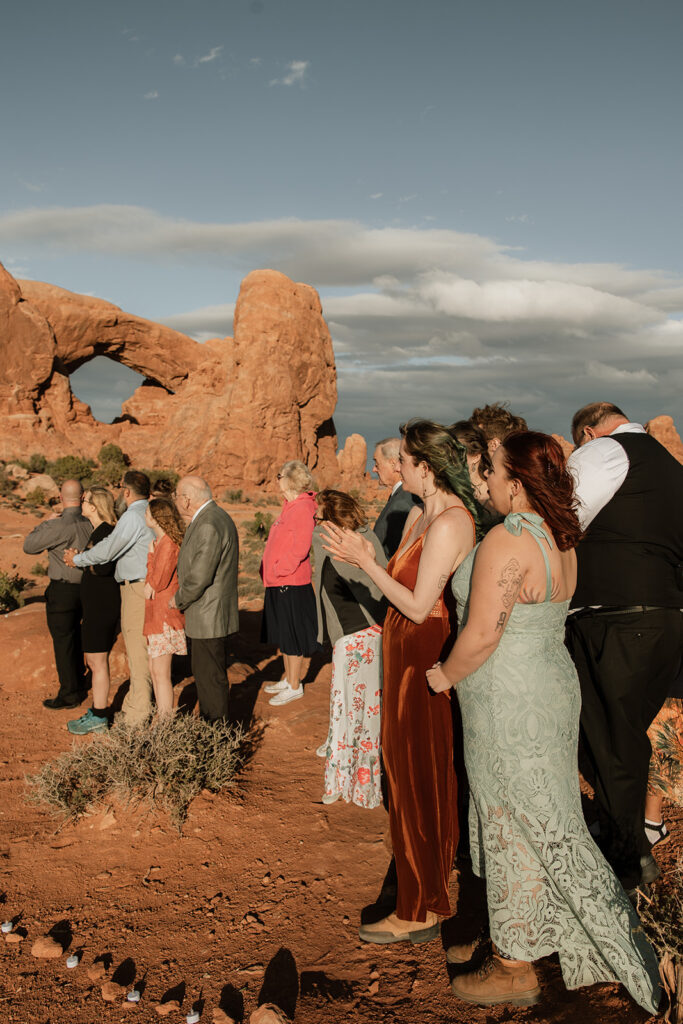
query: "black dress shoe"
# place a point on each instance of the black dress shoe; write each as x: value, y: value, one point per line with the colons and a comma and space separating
x: 55, y: 703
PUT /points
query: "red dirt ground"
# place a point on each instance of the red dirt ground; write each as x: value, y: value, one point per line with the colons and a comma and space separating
x: 258, y: 899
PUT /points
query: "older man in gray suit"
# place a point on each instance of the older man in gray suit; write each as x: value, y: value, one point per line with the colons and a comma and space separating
x: 392, y: 518
x: 207, y: 592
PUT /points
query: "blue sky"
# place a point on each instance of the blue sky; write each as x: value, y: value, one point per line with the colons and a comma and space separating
x: 487, y: 195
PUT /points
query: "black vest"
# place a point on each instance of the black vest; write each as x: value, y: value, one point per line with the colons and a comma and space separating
x: 630, y: 552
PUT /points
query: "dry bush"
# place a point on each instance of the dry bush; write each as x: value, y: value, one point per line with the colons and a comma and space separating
x: 661, y: 915
x: 11, y: 587
x: 164, y: 764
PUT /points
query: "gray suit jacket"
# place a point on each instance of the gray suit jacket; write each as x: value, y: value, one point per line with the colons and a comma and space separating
x: 207, y: 575
x: 391, y: 520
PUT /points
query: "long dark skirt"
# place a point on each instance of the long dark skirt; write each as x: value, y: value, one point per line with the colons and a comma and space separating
x: 290, y: 620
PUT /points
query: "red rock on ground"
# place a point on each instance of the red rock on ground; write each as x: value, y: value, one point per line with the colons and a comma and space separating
x: 46, y: 948
x: 269, y: 1013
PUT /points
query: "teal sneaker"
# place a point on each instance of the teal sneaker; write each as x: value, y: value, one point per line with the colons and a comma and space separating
x: 87, y: 723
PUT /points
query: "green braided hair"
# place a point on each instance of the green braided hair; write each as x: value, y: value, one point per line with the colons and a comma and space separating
x: 446, y: 457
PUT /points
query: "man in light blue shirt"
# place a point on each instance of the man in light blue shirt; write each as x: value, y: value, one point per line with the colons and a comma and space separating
x: 128, y: 546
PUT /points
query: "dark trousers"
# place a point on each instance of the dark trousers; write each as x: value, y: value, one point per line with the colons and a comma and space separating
x: 626, y: 663
x: 209, y: 660
x: 64, y: 613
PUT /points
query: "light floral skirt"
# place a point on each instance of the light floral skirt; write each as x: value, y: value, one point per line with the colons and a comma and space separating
x: 171, y: 641
x: 352, y: 765
x: 666, y: 763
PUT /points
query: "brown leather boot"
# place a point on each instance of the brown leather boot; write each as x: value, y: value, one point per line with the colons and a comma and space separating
x: 498, y: 981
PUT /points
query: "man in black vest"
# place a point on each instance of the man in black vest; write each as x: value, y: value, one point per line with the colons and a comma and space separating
x: 391, y: 520
x: 625, y: 629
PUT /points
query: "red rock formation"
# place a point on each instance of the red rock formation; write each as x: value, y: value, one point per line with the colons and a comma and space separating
x: 352, y: 461
x: 232, y: 410
x: 662, y: 427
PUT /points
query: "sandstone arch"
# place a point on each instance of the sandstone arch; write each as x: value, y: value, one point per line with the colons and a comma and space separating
x: 232, y: 409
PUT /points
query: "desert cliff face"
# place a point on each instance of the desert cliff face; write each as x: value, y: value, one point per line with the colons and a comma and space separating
x: 231, y: 409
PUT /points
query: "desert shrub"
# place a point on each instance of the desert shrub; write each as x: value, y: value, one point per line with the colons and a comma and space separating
x: 232, y: 496
x: 164, y: 764
x: 163, y: 479
x: 11, y: 587
x: 37, y: 463
x: 5, y: 483
x: 113, y: 463
x: 70, y: 467
x: 36, y: 497
x: 661, y: 915
x: 259, y: 525
x: 39, y: 569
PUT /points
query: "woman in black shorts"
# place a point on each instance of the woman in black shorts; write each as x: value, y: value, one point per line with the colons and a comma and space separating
x: 101, y: 601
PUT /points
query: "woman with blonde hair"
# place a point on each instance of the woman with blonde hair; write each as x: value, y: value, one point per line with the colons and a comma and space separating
x: 101, y: 601
x: 289, y: 615
x: 164, y: 626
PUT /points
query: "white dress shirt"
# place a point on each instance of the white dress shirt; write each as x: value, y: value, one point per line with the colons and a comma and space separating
x: 200, y: 509
x: 599, y: 469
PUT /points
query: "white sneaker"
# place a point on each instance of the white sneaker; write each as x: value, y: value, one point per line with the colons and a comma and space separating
x: 277, y: 687
x: 284, y: 696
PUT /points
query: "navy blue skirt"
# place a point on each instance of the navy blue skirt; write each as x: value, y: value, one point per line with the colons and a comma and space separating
x: 290, y: 620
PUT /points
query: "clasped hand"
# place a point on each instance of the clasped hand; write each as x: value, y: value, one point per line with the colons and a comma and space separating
x: 347, y: 546
x: 437, y: 678
x: 68, y: 557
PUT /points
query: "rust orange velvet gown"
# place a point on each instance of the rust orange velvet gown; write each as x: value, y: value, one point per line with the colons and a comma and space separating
x: 417, y: 749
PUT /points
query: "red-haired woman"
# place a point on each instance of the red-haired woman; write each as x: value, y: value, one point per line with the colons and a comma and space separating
x: 549, y: 889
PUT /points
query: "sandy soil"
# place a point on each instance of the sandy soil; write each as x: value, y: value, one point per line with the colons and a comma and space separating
x: 259, y: 897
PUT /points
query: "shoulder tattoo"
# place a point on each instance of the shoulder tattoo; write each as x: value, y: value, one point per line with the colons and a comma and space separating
x: 510, y: 580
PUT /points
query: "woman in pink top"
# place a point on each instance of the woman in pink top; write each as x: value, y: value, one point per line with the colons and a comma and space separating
x: 290, y: 619
x: 164, y: 626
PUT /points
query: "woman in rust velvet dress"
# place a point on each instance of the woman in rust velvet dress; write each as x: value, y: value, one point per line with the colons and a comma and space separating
x: 417, y: 735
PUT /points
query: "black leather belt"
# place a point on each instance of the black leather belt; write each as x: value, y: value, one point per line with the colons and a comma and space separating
x: 124, y: 583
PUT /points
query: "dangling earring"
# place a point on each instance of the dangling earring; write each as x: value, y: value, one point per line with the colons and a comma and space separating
x: 424, y: 489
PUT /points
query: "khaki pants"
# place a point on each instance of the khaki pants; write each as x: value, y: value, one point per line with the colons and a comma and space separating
x: 137, y: 705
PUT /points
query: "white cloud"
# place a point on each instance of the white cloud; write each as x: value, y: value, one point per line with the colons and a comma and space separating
x: 32, y: 186
x: 205, y: 322
x: 255, y: 61
x: 296, y: 73
x: 518, y: 218
x: 376, y: 195
x: 179, y: 59
x: 213, y: 54
x: 154, y: 95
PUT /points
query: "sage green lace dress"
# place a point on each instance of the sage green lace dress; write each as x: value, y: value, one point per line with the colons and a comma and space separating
x: 549, y: 888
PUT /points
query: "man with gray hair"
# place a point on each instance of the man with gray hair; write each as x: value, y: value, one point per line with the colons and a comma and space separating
x: 55, y: 534
x: 391, y: 520
x: 207, y: 592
